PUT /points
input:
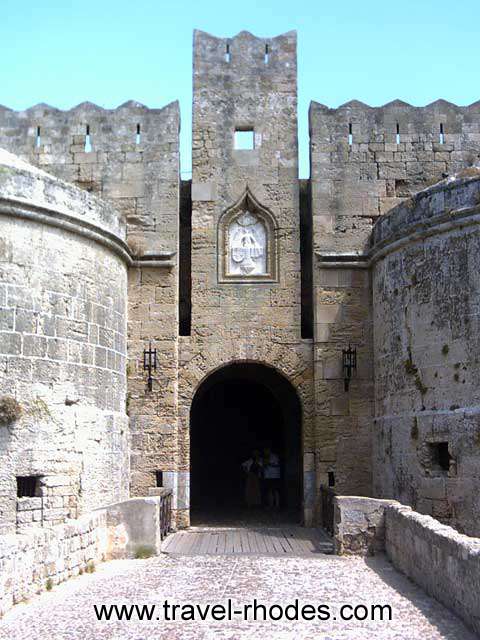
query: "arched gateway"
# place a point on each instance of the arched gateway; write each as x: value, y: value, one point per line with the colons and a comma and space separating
x: 236, y: 409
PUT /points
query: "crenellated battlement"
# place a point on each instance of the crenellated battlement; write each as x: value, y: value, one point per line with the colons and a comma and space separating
x: 365, y: 160
x: 246, y: 52
x: 48, y: 135
x: 128, y: 155
x: 395, y: 121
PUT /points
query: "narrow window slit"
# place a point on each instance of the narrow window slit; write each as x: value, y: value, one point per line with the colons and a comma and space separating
x: 350, y: 134
x: 38, y: 140
x: 227, y: 53
x: 88, y: 142
x: 442, y: 134
x: 306, y: 253
x: 398, y: 133
x: 267, y: 53
x: 185, y: 261
x: 159, y: 478
x: 138, y: 136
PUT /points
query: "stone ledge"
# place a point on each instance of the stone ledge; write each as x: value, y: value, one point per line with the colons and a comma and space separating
x: 439, y: 559
x: 449, y: 204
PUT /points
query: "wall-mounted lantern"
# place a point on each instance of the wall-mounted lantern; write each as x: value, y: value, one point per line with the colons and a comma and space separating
x: 150, y: 364
x: 349, y: 364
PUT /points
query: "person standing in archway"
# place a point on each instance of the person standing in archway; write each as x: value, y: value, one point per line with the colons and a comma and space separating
x: 254, y: 469
x: 271, y: 475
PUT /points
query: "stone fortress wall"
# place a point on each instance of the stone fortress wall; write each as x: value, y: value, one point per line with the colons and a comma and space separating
x: 131, y: 161
x: 426, y: 293
x: 63, y: 293
x: 364, y: 162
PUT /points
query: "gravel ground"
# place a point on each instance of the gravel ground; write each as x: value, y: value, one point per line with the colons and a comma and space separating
x: 67, y: 613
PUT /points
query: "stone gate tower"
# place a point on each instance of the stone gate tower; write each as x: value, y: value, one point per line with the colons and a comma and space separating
x: 245, y: 295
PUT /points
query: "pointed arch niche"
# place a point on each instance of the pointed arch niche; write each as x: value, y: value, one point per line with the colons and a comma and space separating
x: 247, y: 243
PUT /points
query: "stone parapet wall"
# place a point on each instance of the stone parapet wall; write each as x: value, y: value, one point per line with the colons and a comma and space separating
x: 452, y: 200
x: 436, y: 557
x: 134, y: 525
x: 439, y: 559
x: 32, y: 189
x: 43, y: 557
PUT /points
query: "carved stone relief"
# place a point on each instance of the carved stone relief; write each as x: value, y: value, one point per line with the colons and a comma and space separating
x: 247, y: 250
x: 247, y: 244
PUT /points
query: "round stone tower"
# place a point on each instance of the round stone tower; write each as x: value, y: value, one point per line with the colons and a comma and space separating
x: 63, y: 297
x: 426, y: 301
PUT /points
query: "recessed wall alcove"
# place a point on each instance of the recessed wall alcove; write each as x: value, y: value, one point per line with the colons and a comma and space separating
x: 247, y: 243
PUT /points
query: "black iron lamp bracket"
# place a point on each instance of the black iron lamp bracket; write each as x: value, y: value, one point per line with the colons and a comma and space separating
x: 150, y: 364
x: 349, y: 360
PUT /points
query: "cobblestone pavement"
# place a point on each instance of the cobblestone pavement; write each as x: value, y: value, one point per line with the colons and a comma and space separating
x: 66, y: 613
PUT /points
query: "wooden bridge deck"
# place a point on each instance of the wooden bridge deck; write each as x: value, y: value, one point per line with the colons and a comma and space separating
x: 220, y: 541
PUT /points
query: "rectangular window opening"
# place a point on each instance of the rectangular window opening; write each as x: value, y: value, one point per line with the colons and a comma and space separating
x: 28, y: 486
x: 331, y: 479
x: 159, y: 478
x: 138, y: 135
x: 398, y: 133
x: 350, y: 134
x: 267, y: 53
x: 227, y: 53
x: 88, y: 142
x: 442, y: 134
x: 38, y: 140
x: 440, y: 455
x: 245, y: 139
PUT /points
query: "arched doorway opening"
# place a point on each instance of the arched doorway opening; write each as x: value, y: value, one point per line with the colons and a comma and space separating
x: 238, y: 408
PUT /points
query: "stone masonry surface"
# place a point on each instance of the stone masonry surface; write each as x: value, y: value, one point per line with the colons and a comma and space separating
x: 63, y: 315
x: 67, y: 612
x: 426, y: 294
x: 360, y: 168
x: 29, y: 562
x: 139, y: 175
x: 246, y: 321
x: 80, y: 299
x: 439, y: 559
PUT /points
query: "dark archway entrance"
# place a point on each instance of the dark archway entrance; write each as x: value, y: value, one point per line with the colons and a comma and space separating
x: 239, y: 408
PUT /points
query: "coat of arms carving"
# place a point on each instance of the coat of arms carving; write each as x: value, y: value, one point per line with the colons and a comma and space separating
x: 247, y: 243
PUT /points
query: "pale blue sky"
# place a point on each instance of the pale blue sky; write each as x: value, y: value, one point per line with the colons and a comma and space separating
x: 64, y: 52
